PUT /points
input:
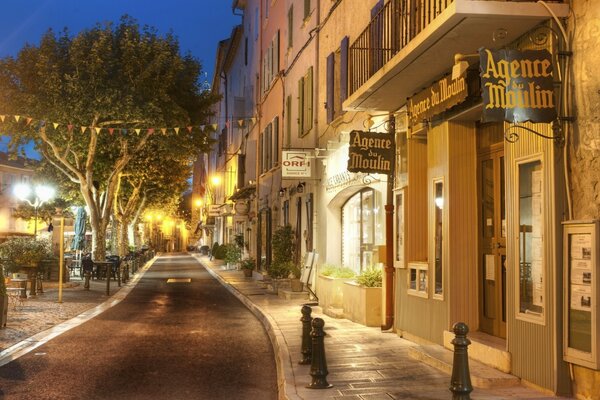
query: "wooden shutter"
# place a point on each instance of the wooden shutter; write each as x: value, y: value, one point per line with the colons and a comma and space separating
x: 308, y: 100
x: 291, y: 26
x: 344, y: 68
x: 275, y: 50
x: 300, y: 106
x: 306, y: 8
x: 276, y: 141
x: 288, y: 121
x: 330, y: 86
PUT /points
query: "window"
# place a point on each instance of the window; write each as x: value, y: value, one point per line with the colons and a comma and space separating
x: 286, y: 212
x: 269, y: 146
x: 288, y: 121
x: 531, y: 286
x: 417, y: 278
x: 291, y: 26
x: 270, y: 63
x: 305, y: 103
x: 361, y: 230
x: 337, y: 80
x: 438, y: 226
x: 275, y: 141
x: 306, y: 9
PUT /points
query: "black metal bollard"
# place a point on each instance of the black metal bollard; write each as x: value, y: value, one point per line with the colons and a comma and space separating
x: 318, y: 366
x: 460, y: 383
x: 306, y: 340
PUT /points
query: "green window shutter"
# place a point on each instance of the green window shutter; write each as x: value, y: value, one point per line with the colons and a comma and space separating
x: 300, y: 106
x: 288, y: 121
x: 308, y: 99
x: 275, y: 66
x: 306, y: 8
x: 291, y: 26
x: 276, y: 141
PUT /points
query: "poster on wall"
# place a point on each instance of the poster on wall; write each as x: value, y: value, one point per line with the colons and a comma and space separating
x: 581, y: 297
x: 517, y: 86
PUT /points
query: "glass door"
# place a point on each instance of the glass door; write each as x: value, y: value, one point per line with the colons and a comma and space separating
x: 492, y: 241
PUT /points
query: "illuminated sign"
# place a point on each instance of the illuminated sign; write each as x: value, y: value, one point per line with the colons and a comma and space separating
x: 517, y: 86
x: 296, y: 164
x: 371, y: 152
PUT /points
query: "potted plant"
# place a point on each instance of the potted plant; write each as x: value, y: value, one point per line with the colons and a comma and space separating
x: 363, y: 297
x: 233, y: 254
x: 25, y: 254
x: 295, y: 282
x: 247, y: 265
x: 330, y: 288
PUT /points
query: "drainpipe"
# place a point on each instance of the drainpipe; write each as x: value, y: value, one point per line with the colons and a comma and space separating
x: 389, y: 243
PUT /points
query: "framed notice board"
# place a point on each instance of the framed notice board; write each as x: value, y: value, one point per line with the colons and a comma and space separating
x: 580, y: 252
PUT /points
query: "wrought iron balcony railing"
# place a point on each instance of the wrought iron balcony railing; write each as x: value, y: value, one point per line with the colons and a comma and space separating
x: 392, y: 28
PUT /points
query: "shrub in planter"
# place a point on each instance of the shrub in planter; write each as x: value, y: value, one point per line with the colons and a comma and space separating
x: 279, y: 270
x: 336, y: 271
x: 371, y: 277
x: 233, y: 254
x: 219, y: 252
x: 247, y: 265
x: 22, y: 252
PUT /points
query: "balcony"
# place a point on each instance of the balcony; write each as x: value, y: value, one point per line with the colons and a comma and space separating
x: 411, y: 43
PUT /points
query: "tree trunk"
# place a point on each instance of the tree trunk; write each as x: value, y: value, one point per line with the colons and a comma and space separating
x: 123, y: 238
x: 99, y: 243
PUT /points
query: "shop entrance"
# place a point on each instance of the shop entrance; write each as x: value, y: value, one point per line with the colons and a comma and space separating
x: 492, y: 235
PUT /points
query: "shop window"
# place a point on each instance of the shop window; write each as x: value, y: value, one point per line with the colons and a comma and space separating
x: 361, y: 230
x: 531, y: 224
x: 438, y: 221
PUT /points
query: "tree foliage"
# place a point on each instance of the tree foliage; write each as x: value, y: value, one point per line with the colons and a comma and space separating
x: 111, y: 75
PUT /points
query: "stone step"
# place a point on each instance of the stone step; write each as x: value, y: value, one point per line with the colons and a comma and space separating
x: 482, y: 376
x: 289, y: 295
x: 334, y: 312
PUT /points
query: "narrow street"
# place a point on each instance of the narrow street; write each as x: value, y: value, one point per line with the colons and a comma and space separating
x: 180, y: 340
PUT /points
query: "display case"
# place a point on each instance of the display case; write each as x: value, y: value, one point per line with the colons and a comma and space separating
x: 581, y: 293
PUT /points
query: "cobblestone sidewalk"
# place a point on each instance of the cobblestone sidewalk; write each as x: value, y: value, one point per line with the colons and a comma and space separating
x: 41, y: 312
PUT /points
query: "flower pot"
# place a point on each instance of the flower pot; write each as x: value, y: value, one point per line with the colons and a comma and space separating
x: 297, y: 285
x: 247, y: 273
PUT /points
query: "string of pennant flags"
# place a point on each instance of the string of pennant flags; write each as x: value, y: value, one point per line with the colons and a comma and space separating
x: 164, y: 131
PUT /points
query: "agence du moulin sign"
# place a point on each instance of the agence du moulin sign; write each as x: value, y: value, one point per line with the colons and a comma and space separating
x: 517, y: 86
x: 371, y: 152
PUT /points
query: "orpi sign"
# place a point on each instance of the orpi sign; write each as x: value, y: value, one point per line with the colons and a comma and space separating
x: 296, y: 164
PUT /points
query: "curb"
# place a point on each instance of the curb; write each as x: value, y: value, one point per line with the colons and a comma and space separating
x: 25, y: 346
x: 285, y: 372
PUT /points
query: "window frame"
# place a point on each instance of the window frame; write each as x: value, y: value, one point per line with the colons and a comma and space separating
x: 434, y: 210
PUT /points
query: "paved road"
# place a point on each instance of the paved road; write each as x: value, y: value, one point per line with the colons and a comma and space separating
x: 164, y: 341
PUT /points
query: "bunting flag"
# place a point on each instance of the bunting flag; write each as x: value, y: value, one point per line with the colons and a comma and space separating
x: 111, y: 130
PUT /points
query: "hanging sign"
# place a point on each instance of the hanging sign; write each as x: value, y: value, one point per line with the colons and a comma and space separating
x: 436, y: 99
x: 517, y: 86
x: 371, y: 152
x: 296, y: 164
x: 214, y: 210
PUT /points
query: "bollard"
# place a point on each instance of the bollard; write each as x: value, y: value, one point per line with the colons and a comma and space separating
x: 318, y: 366
x: 87, y: 275
x: 306, y: 340
x: 460, y: 383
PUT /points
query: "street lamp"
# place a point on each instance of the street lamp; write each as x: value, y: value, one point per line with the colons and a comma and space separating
x: 41, y: 194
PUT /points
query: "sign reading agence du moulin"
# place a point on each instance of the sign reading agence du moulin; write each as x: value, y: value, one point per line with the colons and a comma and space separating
x: 436, y: 99
x: 517, y: 86
x: 371, y: 152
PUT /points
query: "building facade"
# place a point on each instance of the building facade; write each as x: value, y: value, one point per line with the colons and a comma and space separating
x: 494, y: 210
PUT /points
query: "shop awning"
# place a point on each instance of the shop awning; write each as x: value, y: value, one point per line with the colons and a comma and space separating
x: 243, y: 193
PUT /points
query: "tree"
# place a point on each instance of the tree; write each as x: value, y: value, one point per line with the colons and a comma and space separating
x: 110, y: 76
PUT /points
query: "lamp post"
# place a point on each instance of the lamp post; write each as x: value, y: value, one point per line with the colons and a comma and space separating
x: 42, y: 194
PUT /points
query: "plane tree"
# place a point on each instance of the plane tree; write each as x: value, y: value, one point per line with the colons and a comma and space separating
x: 96, y: 101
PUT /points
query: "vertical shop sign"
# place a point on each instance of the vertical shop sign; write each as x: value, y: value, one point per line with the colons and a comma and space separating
x: 371, y: 152
x: 517, y: 86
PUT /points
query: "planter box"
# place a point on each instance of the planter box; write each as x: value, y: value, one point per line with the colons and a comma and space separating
x: 362, y: 304
x: 330, y: 292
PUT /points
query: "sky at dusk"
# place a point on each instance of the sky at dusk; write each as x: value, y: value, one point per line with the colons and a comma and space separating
x: 198, y: 24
